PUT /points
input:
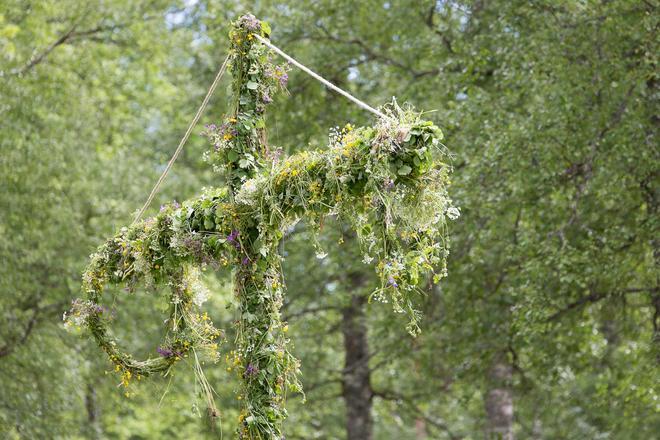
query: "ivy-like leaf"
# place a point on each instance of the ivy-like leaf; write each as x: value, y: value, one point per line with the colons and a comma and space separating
x: 265, y: 28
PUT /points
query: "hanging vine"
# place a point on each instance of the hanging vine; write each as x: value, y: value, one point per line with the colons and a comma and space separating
x: 389, y: 182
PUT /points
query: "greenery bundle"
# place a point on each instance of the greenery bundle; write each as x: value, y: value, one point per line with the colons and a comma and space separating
x: 389, y: 182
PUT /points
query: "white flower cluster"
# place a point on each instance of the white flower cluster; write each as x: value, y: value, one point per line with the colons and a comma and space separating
x: 79, y: 313
x: 192, y: 282
x: 334, y: 137
x: 248, y: 194
x: 453, y: 213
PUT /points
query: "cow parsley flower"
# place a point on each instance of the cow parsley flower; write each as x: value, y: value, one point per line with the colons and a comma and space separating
x: 193, y: 283
x: 453, y: 213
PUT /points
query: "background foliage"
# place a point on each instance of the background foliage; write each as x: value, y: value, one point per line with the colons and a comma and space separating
x: 551, y: 308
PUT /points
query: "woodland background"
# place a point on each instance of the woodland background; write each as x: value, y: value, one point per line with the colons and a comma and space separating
x: 548, y: 326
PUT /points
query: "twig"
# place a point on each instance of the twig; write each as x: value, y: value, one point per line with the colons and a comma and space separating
x: 595, y: 297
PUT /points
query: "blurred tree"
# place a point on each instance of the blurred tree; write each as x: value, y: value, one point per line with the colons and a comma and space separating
x: 91, y: 99
x: 551, y: 309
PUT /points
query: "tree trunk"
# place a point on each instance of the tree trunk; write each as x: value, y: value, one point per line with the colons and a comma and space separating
x: 651, y: 195
x: 499, y: 401
x: 91, y: 405
x: 420, y: 429
x: 356, y: 380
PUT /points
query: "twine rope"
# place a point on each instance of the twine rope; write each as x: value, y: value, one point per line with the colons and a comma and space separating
x: 202, y: 107
x: 318, y: 77
x: 184, y: 139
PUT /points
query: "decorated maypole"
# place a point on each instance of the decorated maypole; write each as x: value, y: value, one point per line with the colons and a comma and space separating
x: 389, y: 182
x: 240, y: 146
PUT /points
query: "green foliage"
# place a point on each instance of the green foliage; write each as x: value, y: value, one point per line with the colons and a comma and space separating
x: 550, y: 111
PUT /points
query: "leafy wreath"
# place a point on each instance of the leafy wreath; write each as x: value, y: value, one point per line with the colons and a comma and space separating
x: 389, y: 182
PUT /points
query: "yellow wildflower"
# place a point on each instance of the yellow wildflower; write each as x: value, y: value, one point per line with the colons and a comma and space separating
x: 126, y: 378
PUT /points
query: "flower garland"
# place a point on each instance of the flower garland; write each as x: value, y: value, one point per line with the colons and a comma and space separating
x: 388, y: 181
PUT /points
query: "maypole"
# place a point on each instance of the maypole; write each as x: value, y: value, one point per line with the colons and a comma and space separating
x: 388, y: 182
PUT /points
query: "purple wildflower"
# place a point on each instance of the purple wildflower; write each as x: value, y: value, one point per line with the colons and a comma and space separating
x: 208, y: 130
x: 284, y: 78
x: 232, y: 238
x: 245, y: 261
x: 251, y: 370
x: 274, y: 155
x: 250, y: 22
x: 176, y: 205
x: 391, y: 282
x: 266, y: 98
x: 165, y: 352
